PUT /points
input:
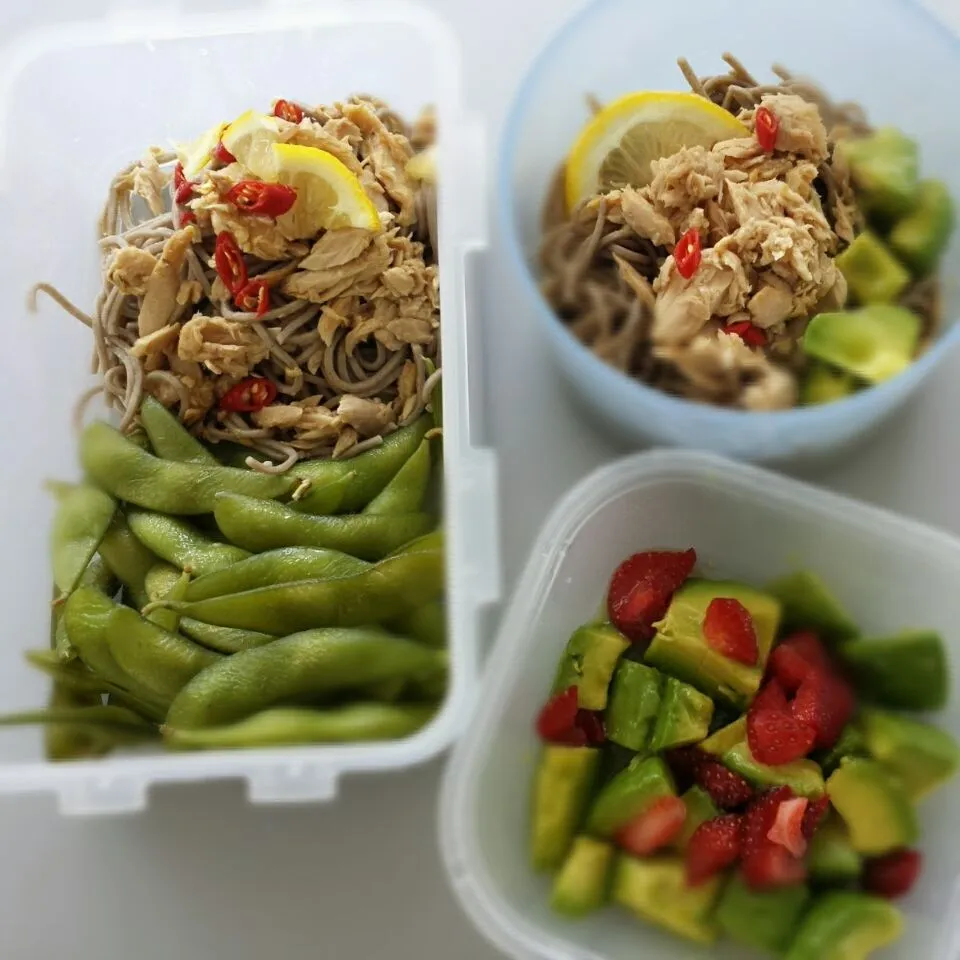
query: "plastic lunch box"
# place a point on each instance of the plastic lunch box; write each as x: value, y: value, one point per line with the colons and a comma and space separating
x: 79, y: 102
x: 745, y: 523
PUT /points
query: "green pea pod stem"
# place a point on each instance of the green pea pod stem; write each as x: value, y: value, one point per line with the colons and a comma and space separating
x: 373, y: 469
x: 82, y: 519
x: 425, y: 624
x: 379, y: 593
x: 158, y: 660
x: 276, y: 566
x: 308, y: 664
x: 181, y: 544
x: 287, y: 726
x: 120, y: 724
x: 259, y: 525
x: 169, y: 438
x: 166, y: 582
x: 223, y: 639
x: 135, y: 476
x: 127, y: 558
x: 406, y: 492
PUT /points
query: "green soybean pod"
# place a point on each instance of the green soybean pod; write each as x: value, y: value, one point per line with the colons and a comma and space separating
x: 287, y: 726
x: 406, y: 492
x: 135, y: 476
x: 426, y: 624
x: 82, y: 518
x: 63, y: 741
x: 127, y: 558
x: 259, y: 525
x: 96, y: 575
x: 181, y: 544
x: 169, y: 438
x: 308, y: 664
x: 166, y: 582
x: 223, y: 639
x: 119, y: 724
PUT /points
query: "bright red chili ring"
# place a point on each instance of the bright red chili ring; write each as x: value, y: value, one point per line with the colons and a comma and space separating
x: 228, y: 259
x: 751, y: 335
x: 253, y: 297
x: 249, y: 395
x: 182, y: 187
x: 222, y: 155
x: 263, y: 199
x: 286, y: 110
x: 767, y: 126
x: 688, y: 253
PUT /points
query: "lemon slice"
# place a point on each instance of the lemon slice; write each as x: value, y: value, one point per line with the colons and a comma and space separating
x: 198, y: 153
x: 616, y: 147
x: 250, y: 138
x: 329, y: 196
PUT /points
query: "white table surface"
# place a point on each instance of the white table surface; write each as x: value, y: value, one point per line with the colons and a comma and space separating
x: 202, y: 875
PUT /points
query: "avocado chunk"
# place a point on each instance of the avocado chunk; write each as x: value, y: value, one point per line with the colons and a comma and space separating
x: 802, y: 776
x: 823, y: 384
x: 628, y: 794
x: 920, y: 238
x: 873, y: 343
x: 885, y: 168
x: 564, y: 780
x: 726, y: 738
x: 831, y: 858
x: 872, y: 272
x: 908, y: 671
x: 634, y: 704
x: 763, y: 919
x: 922, y: 756
x: 582, y: 884
x: 700, y: 809
x: 875, y: 807
x: 656, y: 891
x: 588, y: 663
x: 845, y: 926
x: 809, y: 605
x: 684, y: 716
x: 849, y: 744
x: 680, y: 649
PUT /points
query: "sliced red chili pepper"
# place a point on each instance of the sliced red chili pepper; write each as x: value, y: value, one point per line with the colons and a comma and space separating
x: 222, y: 155
x: 751, y: 335
x: 228, y: 258
x: 688, y: 253
x: 558, y: 717
x: 253, y: 297
x: 767, y: 126
x: 182, y: 187
x: 263, y: 199
x: 187, y: 217
x: 286, y: 110
x: 249, y: 395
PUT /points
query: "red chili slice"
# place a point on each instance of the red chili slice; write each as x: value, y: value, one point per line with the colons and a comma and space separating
x: 222, y: 155
x: 767, y: 126
x: 688, y: 253
x: 262, y: 199
x: 253, y: 297
x: 751, y: 335
x: 249, y: 395
x: 182, y: 187
x: 228, y: 258
x: 286, y: 110
x: 187, y: 217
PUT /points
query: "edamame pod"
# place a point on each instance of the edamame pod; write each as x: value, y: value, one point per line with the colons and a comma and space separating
x: 166, y: 582
x: 303, y: 665
x: 286, y: 726
x: 127, y: 558
x: 121, y: 725
x: 97, y: 576
x: 130, y: 474
x: 406, y: 492
x: 169, y: 438
x: 259, y: 525
x: 62, y: 741
x: 82, y: 519
x: 223, y: 639
x: 426, y: 624
x: 181, y: 544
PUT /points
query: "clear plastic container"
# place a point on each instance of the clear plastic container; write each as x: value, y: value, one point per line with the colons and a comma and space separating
x: 81, y: 100
x: 611, y: 48
x: 745, y: 523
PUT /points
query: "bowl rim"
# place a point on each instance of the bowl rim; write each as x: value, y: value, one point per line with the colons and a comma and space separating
x: 664, y: 404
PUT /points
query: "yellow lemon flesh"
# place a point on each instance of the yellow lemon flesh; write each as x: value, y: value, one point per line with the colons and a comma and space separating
x: 617, y: 146
x: 250, y: 138
x: 198, y: 153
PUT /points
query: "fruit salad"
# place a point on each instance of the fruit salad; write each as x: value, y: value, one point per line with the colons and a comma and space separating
x: 727, y: 760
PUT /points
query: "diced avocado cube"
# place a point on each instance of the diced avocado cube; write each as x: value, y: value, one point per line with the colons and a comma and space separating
x: 763, y: 919
x: 680, y: 649
x: 564, y: 780
x: 588, y: 663
x: 656, y: 891
x: 831, y: 858
x: 885, y: 168
x: 684, y: 716
x: 908, y: 671
x: 873, y: 343
x: 634, y: 704
x: 842, y: 925
x: 849, y: 744
x: 920, y: 238
x: 874, y: 805
x: 726, y: 738
x: 628, y: 794
x: 700, y: 809
x: 613, y: 760
x: 583, y: 882
x: 922, y: 756
x: 872, y: 272
x: 823, y: 384
x: 808, y: 604
x: 802, y: 776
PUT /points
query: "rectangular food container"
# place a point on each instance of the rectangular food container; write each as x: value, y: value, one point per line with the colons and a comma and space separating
x: 746, y: 524
x: 78, y: 102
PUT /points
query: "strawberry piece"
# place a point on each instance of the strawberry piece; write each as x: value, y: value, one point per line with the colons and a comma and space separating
x: 728, y: 629
x: 591, y: 723
x: 893, y: 875
x: 825, y: 703
x: 770, y: 697
x: 775, y: 737
x: 557, y: 720
x: 714, y: 846
x: 655, y: 828
x: 795, y: 657
x: 816, y: 811
x: 760, y: 817
x: 727, y: 789
x: 772, y: 866
x: 787, y: 829
x: 641, y: 588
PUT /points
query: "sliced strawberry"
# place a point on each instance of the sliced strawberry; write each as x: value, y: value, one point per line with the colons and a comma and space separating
x: 825, y: 701
x: 714, y: 846
x: 760, y: 817
x: 893, y: 875
x: 591, y: 723
x: 787, y: 829
x: 770, y: 697
x: 655, y: 828
x: 772, y: 866
x: 727, y: 789
x: 795, y: 657
x: 684, y: 763
x: 816, y: 811
x: 557, y: 720
x: 775, y: 737
x: 728, y: 629
x: 641, y: 588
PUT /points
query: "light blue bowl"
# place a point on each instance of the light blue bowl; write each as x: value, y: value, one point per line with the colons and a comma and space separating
x: 889, y: 55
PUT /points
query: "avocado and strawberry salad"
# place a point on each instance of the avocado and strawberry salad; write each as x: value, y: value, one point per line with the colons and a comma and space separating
x: 725, y: 760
